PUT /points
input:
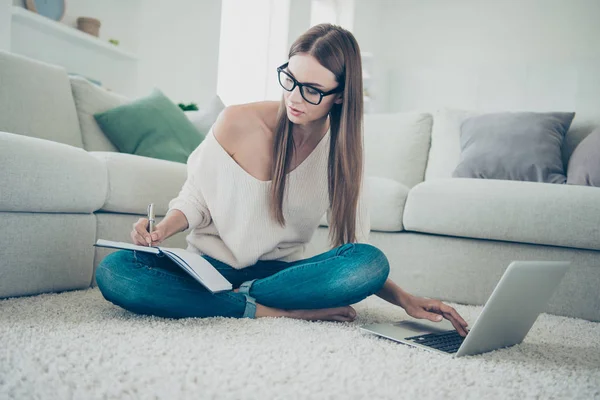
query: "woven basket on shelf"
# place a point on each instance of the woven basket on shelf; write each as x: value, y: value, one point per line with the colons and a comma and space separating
x: 89, y: 25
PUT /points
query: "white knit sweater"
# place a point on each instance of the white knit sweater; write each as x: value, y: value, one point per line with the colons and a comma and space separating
x: 228, y: 209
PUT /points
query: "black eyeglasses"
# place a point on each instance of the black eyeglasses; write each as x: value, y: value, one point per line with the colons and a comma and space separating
x: 308, y: 92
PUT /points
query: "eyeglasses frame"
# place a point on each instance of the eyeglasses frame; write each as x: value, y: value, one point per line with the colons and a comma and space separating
x: 281, y: 68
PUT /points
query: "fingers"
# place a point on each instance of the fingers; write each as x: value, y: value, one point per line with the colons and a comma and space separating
x: 432, y: 316
x: 140, y: 234
x: 446, y: 309
x: 138, y: 239
x: 451, y: 315
x: 157, y: 236
x: 457, y: 322
x: 458, y: 326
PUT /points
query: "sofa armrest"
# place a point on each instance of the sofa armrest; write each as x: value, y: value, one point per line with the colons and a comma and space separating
x: 40, y: 175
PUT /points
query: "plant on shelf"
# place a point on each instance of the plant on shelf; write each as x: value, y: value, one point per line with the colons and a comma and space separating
x: 188, y: 107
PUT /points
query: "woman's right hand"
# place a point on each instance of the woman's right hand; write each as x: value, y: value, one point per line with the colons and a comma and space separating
x: 141, y: 236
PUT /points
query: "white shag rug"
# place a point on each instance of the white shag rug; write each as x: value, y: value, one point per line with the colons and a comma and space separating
x: 76, y: 345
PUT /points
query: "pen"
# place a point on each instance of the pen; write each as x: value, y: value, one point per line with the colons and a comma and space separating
x: 151, y: 219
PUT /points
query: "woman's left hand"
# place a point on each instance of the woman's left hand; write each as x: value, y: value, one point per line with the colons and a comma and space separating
x: 434, y: 310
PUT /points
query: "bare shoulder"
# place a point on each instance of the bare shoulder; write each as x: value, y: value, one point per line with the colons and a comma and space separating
x: 268, y: 112
x: 238, y: 123
x: 232, y: 124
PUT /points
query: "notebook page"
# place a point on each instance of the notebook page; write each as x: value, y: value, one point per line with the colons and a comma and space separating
x: 204, y: 270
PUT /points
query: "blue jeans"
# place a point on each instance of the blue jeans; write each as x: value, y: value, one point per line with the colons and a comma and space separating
x: 146, y: 284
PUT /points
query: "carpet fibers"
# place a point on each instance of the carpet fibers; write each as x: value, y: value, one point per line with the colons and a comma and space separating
x: 76, y: 345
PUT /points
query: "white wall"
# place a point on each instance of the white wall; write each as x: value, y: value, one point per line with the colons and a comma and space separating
x: 486, y: 54
x: 459, y: 31
x: 367, y: 30
x: 178, y: 48
x: 5, y: 15
x: 299, y: 20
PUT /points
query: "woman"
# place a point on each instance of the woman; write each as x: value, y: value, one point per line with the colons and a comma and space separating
x: 256, y: 189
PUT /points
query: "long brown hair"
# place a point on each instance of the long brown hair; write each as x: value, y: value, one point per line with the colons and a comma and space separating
x: 337, y: 50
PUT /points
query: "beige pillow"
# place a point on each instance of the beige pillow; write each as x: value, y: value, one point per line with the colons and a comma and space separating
x: 584, y: 164
x: 444, y: 153
x: 91, y: 99
x: 396, y: 146
x: 385, y: 199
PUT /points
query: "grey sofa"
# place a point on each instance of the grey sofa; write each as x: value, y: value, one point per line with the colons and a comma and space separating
x: 64, y: 185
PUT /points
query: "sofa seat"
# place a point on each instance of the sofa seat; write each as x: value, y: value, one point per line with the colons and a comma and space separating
x: 40, y: 175
x: 136, y: 181
x: 526, y: 212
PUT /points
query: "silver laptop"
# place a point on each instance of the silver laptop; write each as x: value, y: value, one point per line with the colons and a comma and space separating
x: 518, y: 299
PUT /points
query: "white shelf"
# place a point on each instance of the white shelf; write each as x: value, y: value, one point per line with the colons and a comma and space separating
x: 64, y: 32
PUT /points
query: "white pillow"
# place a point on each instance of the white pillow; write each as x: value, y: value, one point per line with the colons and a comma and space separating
x: 204, y: 118
x: 397, y: 145
x: 444, y: 154
x: 385, y: 198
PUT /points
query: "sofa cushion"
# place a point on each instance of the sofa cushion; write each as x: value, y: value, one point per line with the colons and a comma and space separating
x: 385, y: 198
x: 397, y: 146
x: 36, y: 100
x: 527, y: 212
x: 136, y: 181
x: 517, y: 146
x: 151, y: 126
x: 91, y: 99
x: 45, y: 176
x: 584, y: 165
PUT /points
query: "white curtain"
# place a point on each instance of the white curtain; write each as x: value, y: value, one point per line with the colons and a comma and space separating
x: 339, y: 12
x: 253, y: 43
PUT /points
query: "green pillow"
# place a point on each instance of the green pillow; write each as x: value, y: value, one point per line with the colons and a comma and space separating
x: 151, y: 126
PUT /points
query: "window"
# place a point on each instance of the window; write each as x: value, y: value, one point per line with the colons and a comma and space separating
x: 339, y: 12
x: 253, y: 43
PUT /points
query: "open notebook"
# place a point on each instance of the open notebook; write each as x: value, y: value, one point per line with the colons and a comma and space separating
x: 194, y: 264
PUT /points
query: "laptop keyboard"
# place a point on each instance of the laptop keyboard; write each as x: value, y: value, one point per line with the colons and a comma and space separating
x: 448, y: 341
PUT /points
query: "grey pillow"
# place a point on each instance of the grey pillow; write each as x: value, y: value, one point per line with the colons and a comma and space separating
x: 584, y: 164
x: 519, y: 146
